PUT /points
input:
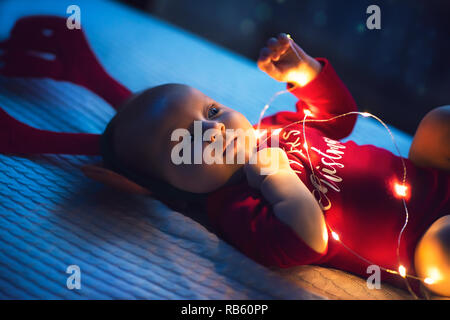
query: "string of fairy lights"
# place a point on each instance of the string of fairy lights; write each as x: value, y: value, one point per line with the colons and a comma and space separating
x: 400, y: 189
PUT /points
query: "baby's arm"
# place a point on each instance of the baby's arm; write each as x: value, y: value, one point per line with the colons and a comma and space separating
x: 314, y: 82
x: 292, y: 202
x: 281, y: 63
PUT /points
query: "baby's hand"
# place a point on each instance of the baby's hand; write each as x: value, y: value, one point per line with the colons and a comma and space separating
x: 280, y: 62
x: 266, y: 162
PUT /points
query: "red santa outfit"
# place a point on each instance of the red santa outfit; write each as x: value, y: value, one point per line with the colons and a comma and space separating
x: 354, y: 185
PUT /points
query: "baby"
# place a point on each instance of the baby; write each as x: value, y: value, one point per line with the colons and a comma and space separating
x: 317, y: 194
x: 278, y: 219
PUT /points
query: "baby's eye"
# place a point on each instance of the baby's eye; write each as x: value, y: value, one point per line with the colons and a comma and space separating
x: 212, y: 111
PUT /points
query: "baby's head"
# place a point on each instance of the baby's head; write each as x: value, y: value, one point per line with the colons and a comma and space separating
x: 137, y: 142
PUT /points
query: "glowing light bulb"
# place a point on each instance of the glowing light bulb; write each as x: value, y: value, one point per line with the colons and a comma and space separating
x: 365, y: 114
x: 402, y: 271
x: 305, y: 145
x: 429, y: 280
x: 307, y: 112
x: 289, y: 36
x: 400, y: 189
x: 335, y: 236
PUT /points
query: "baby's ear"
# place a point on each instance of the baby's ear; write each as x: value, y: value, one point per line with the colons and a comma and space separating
x: 113, y: 179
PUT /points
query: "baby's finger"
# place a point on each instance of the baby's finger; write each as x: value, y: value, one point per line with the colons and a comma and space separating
x: 277, y: 47
x: 264, y: 54
x: 272, y: 43
x: 264, y: 61
x: 283, y: 38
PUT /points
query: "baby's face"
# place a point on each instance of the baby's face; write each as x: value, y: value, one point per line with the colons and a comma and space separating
x: 160, y: 112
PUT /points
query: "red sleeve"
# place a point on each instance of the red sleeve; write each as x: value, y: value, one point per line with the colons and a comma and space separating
x: 243, y: 218
x: 325, y: 96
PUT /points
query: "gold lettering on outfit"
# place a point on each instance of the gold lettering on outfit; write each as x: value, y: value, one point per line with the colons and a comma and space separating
x: 326, y: 177
x: 293, y: 148
x: 328, y: 173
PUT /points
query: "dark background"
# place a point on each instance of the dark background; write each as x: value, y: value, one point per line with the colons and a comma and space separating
x: 398, y: 73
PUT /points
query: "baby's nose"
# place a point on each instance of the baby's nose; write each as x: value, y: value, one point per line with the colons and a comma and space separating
x: 214, y: 125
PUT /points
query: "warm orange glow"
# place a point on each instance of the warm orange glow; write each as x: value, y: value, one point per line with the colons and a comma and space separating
x: 433, y: 276
x: 325, y: 234
x: 307, y: 112
x: 402, y: 271
x: 335, y: 236
x: 298, y: 77
x: 400, y: 190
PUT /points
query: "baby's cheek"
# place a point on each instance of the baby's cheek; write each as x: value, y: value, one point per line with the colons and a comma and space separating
x: 216, y: 175
x: 183, y: 177
x: 197, y: 177
x: 202, y: 177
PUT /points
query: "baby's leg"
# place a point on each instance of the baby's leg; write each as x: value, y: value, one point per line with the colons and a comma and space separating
x: 430, y: 146
x: 432, y: 256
